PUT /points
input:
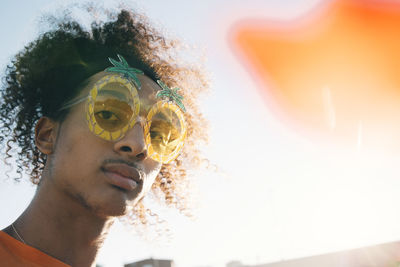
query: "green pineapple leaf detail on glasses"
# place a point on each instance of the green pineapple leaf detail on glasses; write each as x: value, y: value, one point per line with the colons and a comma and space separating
x: 123, y: 68
x: 171, y: 94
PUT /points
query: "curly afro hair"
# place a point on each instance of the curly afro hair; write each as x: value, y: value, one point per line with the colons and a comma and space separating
x: 34, y: 86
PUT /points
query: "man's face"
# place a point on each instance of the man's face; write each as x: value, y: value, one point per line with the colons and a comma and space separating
x: 108, y: 177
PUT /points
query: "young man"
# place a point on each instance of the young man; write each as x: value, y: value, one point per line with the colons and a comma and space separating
x: 99, y: 121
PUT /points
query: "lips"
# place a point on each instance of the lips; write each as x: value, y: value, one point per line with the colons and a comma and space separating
x: 122, y: 176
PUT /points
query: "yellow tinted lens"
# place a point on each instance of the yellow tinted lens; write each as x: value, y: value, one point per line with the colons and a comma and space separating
x: 113, y: 108
x: 165, y: 131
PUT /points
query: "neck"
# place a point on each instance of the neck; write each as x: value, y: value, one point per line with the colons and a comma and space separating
x: 62, y: 227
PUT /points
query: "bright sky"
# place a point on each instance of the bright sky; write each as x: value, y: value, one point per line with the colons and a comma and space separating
x: 282, y: 195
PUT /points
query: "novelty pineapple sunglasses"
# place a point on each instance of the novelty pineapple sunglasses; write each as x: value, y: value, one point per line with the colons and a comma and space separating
x: 113, y: 106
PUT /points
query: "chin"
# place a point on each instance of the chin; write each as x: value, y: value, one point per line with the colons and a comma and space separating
x: 110, y: 210
x: 113, y: 212
x: 111, y: 205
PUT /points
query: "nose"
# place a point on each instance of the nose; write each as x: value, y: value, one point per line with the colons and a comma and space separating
x: 133, y: 143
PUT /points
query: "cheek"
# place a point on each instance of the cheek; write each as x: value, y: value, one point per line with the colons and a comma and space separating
x: 75, y: 151
x: 72, y: 160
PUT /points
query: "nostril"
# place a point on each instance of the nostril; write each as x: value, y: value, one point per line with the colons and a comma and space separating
x: 141, y: 156
x: 126, y: 149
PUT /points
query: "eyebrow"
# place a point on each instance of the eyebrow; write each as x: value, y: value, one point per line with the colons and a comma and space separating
x: 115, y: 93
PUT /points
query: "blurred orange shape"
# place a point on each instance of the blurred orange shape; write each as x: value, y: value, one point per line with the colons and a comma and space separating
x: 335, y: 71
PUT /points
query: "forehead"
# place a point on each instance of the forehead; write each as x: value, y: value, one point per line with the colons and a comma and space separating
x: 147, y: 93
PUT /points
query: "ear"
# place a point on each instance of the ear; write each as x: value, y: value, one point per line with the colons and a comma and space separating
x: 45, y: 135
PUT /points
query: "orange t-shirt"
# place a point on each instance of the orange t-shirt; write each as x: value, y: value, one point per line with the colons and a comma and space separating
x: 14, y: 253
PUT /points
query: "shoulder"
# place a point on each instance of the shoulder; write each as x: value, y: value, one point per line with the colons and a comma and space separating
x: 14, y: 253
x: 9, y: 252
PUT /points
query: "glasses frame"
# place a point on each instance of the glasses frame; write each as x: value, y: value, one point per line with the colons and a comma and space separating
x: 114, y: 136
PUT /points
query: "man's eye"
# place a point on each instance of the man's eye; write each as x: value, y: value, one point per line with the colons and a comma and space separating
x: 107, y: 115
x: 156, y: 135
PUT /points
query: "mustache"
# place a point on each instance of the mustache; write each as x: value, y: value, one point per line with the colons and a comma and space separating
x: 127, y: 162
